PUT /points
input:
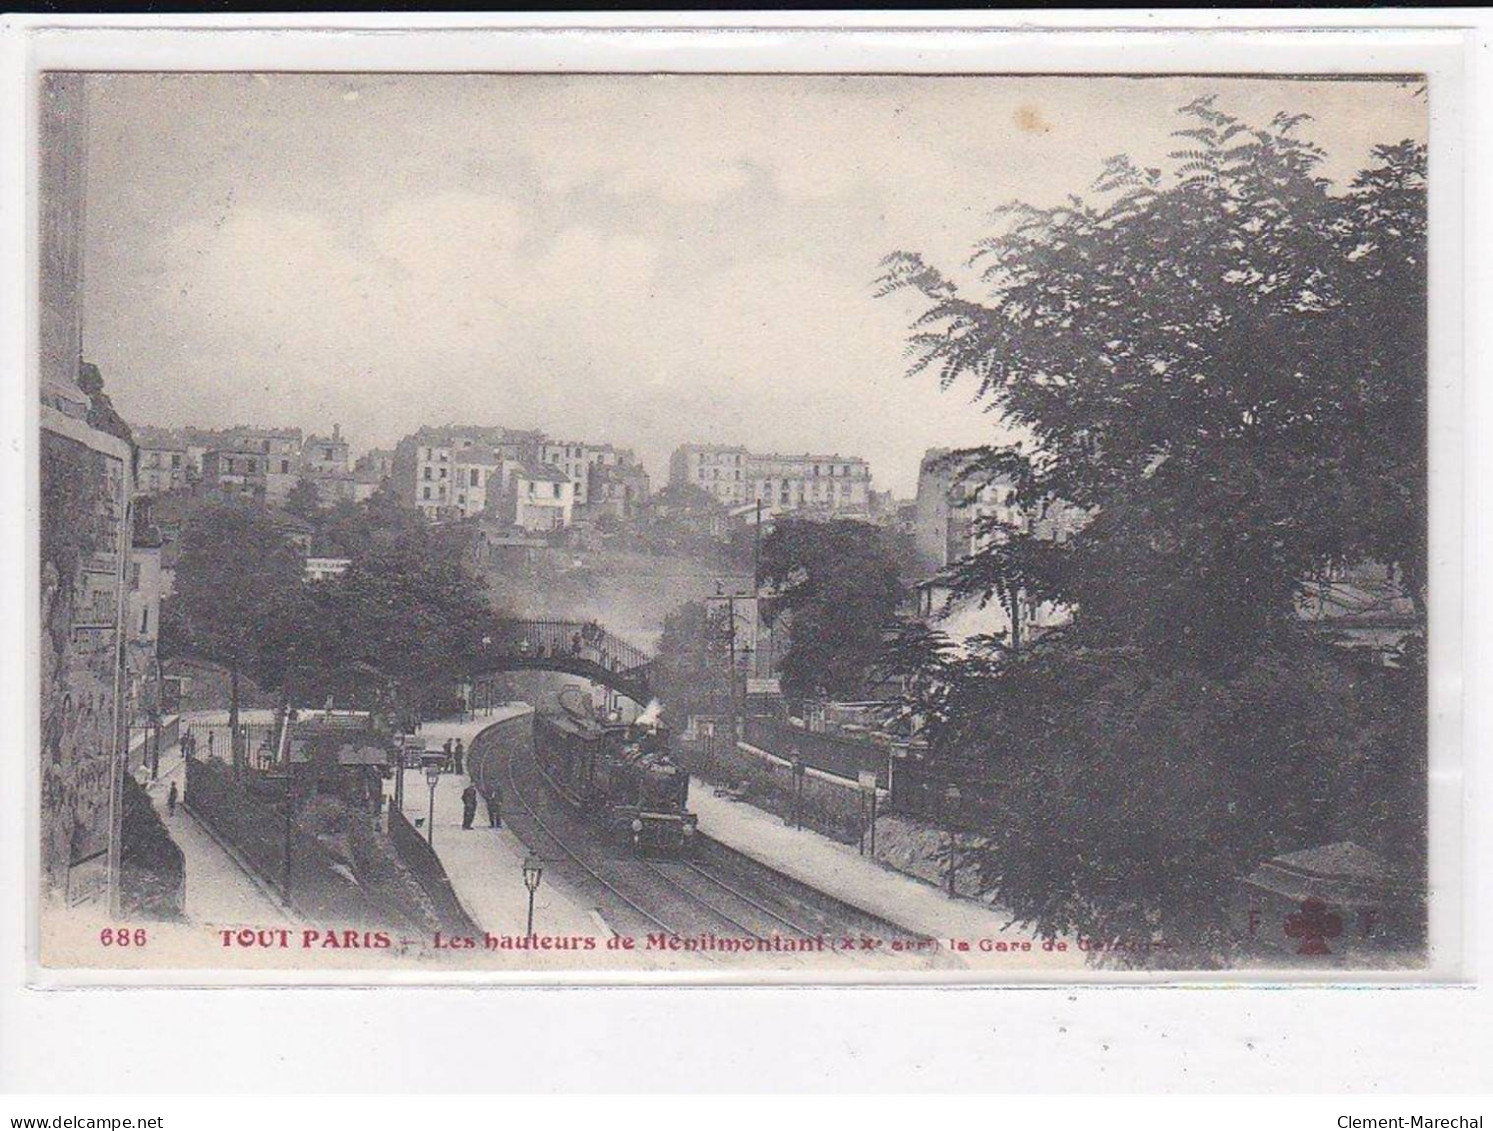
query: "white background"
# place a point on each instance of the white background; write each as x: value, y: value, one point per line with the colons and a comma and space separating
x: 1105, y: 1038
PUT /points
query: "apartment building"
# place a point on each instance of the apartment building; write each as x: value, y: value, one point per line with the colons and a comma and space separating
x: 578, y: 459
x: 423, y: 467
x: 477, y: 469
x: 735, y: 476
x: 832, y: 483
x: 163, y: 463
x: 539, y: 498
x: 720, y: 469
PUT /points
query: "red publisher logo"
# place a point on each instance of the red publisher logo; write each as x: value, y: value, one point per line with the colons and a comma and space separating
x: 1314, y: 925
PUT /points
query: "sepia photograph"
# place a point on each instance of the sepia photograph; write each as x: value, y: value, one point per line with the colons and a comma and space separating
x: 733, y: 527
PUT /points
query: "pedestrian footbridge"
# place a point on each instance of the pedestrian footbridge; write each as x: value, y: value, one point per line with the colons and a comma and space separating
x: 579, y: 648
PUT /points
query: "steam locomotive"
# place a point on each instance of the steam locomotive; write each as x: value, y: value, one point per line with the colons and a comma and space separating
x: 620, y: 776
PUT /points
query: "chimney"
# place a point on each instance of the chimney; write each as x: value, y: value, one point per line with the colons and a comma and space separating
x: 336, y: 432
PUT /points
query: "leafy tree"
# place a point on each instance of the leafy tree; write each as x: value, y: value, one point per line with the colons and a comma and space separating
x: 1223, y: 370
x: 234, y: 579
x: 398, y: 627
x: 838, y: 583
x: 1228, y: 371
x: 691, y: 669
x: 303, y: 500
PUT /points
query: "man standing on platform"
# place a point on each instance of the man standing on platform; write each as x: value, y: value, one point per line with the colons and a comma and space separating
x: 468, y: 805
x: 495, y: 806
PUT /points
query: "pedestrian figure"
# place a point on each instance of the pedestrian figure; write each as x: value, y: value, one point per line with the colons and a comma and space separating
x: 468, y: 805
x: 210, y: 743
x: 459, y: 754
x: 575, y: 644
x: 446, y: 749
x: 171, y: 801
x: 495, y: 806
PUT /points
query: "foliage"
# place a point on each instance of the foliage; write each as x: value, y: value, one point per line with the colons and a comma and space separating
x: 101, y: 411
x: 402, y: 623
x: 152, y: 866
x: 303, y: 500
x: 1229, y: 372
x: 839, y: 585
x: 690, y: 671
x: 1223, y: 372
x: 1134, y: 798
x: 398, y: 626
x: 237, y: 584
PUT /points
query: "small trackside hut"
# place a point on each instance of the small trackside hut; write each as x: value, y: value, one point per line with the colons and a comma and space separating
x: 621, y: 777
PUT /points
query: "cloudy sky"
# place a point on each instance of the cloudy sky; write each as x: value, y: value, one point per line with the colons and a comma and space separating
x: 645, y: 260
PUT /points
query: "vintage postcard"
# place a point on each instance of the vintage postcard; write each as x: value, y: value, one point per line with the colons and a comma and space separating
x: 733, y: 526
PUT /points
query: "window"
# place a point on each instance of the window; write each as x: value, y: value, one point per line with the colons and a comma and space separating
x: 427, y: 474
x: 175, y: 460
x: 556, y: 489
x: 443, y: 473
x: 134, y: 576
x: 326, y: 454
x: 284, y: 467
x: 144, y: 620
x: 426, y: 495
x: 475, y: 480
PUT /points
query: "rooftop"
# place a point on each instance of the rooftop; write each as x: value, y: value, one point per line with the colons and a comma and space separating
x: 542, y: 473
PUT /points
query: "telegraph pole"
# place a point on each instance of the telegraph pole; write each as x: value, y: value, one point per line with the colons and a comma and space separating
x: 757, y: 552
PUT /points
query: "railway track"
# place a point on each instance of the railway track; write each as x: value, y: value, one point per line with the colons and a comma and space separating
x: 724, y: 892
x: 615, y: 878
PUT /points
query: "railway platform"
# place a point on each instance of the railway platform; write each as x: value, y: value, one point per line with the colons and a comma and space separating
x: 485, y: 865
x: 839, y: 870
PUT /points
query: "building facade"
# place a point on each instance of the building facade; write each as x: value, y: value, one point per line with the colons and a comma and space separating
x: 540, y: 498
x: 477, y: 468
x: 735, y: 476
x: 619, y: 490
x: 142, y: 622
x: 86, y: 484
x: 833, y: 483
x: 717, y: 468
x: 578, y: 459
x: 163, y: 466
x: 324, y: 569
x: 236, y: 470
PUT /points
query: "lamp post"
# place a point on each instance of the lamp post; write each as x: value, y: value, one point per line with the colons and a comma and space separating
x: 289, y: 827
x: 799, y: 769
x: 533, y: 872
x: 951, y: 800
x: 432, y: 778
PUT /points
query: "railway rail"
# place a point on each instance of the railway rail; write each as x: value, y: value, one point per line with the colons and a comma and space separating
x: 727, y: 891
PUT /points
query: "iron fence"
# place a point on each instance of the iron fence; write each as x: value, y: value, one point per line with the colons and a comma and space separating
x: 215, y: 740
x: 584, y: 640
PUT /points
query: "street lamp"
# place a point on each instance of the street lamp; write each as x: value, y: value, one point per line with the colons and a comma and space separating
x: 533, y: 872
x: 432, y: 778
x: 951, y: 798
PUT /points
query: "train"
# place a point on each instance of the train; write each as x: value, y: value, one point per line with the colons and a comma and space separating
x: 620, y: 775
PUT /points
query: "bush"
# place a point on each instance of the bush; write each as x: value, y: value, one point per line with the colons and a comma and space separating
x: 153, y: 870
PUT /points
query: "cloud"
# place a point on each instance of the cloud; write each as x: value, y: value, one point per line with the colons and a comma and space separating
x: 643, y: 259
